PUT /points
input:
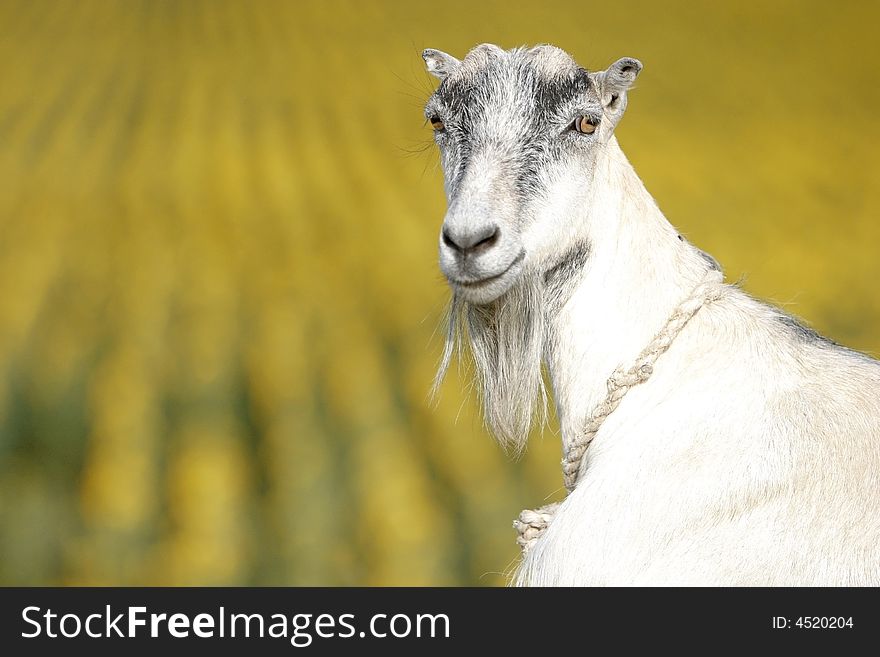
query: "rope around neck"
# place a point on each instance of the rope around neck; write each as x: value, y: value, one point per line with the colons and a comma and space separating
x: 531, y: 524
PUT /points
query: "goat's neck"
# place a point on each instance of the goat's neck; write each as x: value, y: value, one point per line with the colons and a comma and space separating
x: 637, y: 273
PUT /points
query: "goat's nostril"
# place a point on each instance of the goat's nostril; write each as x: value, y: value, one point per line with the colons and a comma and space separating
x: 448, y: 241
x: 463, y: 242
x: 491, y: 237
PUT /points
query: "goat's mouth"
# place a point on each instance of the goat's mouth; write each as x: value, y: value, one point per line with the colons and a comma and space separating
x: 487, y: 289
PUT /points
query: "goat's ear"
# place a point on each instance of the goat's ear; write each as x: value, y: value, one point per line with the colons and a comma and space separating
x: 439, y: 63
x: 614, y: 83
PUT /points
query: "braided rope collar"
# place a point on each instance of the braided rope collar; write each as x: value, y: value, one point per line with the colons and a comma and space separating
x: 532, y: 523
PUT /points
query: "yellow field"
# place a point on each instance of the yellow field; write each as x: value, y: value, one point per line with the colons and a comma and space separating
x: 218, y: 288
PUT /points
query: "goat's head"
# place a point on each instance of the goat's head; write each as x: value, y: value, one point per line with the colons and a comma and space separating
x: 519, y: 134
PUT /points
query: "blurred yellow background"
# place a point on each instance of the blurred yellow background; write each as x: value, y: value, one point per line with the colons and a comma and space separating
x: 218, y: 285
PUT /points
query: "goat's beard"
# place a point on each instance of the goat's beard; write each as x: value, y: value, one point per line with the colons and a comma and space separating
x: 505, y: 340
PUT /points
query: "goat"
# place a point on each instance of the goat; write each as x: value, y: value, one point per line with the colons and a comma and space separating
x: 747, y: 454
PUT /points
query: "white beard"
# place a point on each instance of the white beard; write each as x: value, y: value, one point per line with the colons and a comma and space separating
x: 506, y: 340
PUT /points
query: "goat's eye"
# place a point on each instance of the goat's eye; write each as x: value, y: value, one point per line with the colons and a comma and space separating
x: 585, y: 125
x: 437, y: 124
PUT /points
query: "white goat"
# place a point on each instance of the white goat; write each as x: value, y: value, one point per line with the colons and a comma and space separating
x: 751, y: 456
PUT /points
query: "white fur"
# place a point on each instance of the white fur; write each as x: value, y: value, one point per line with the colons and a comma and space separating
x: 751, y: 457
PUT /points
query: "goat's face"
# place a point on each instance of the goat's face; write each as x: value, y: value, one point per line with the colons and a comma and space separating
x: 520, y: 133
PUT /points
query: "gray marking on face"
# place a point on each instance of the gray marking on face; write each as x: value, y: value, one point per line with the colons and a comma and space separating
x: 517, y: 103
x: 561, y: 277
